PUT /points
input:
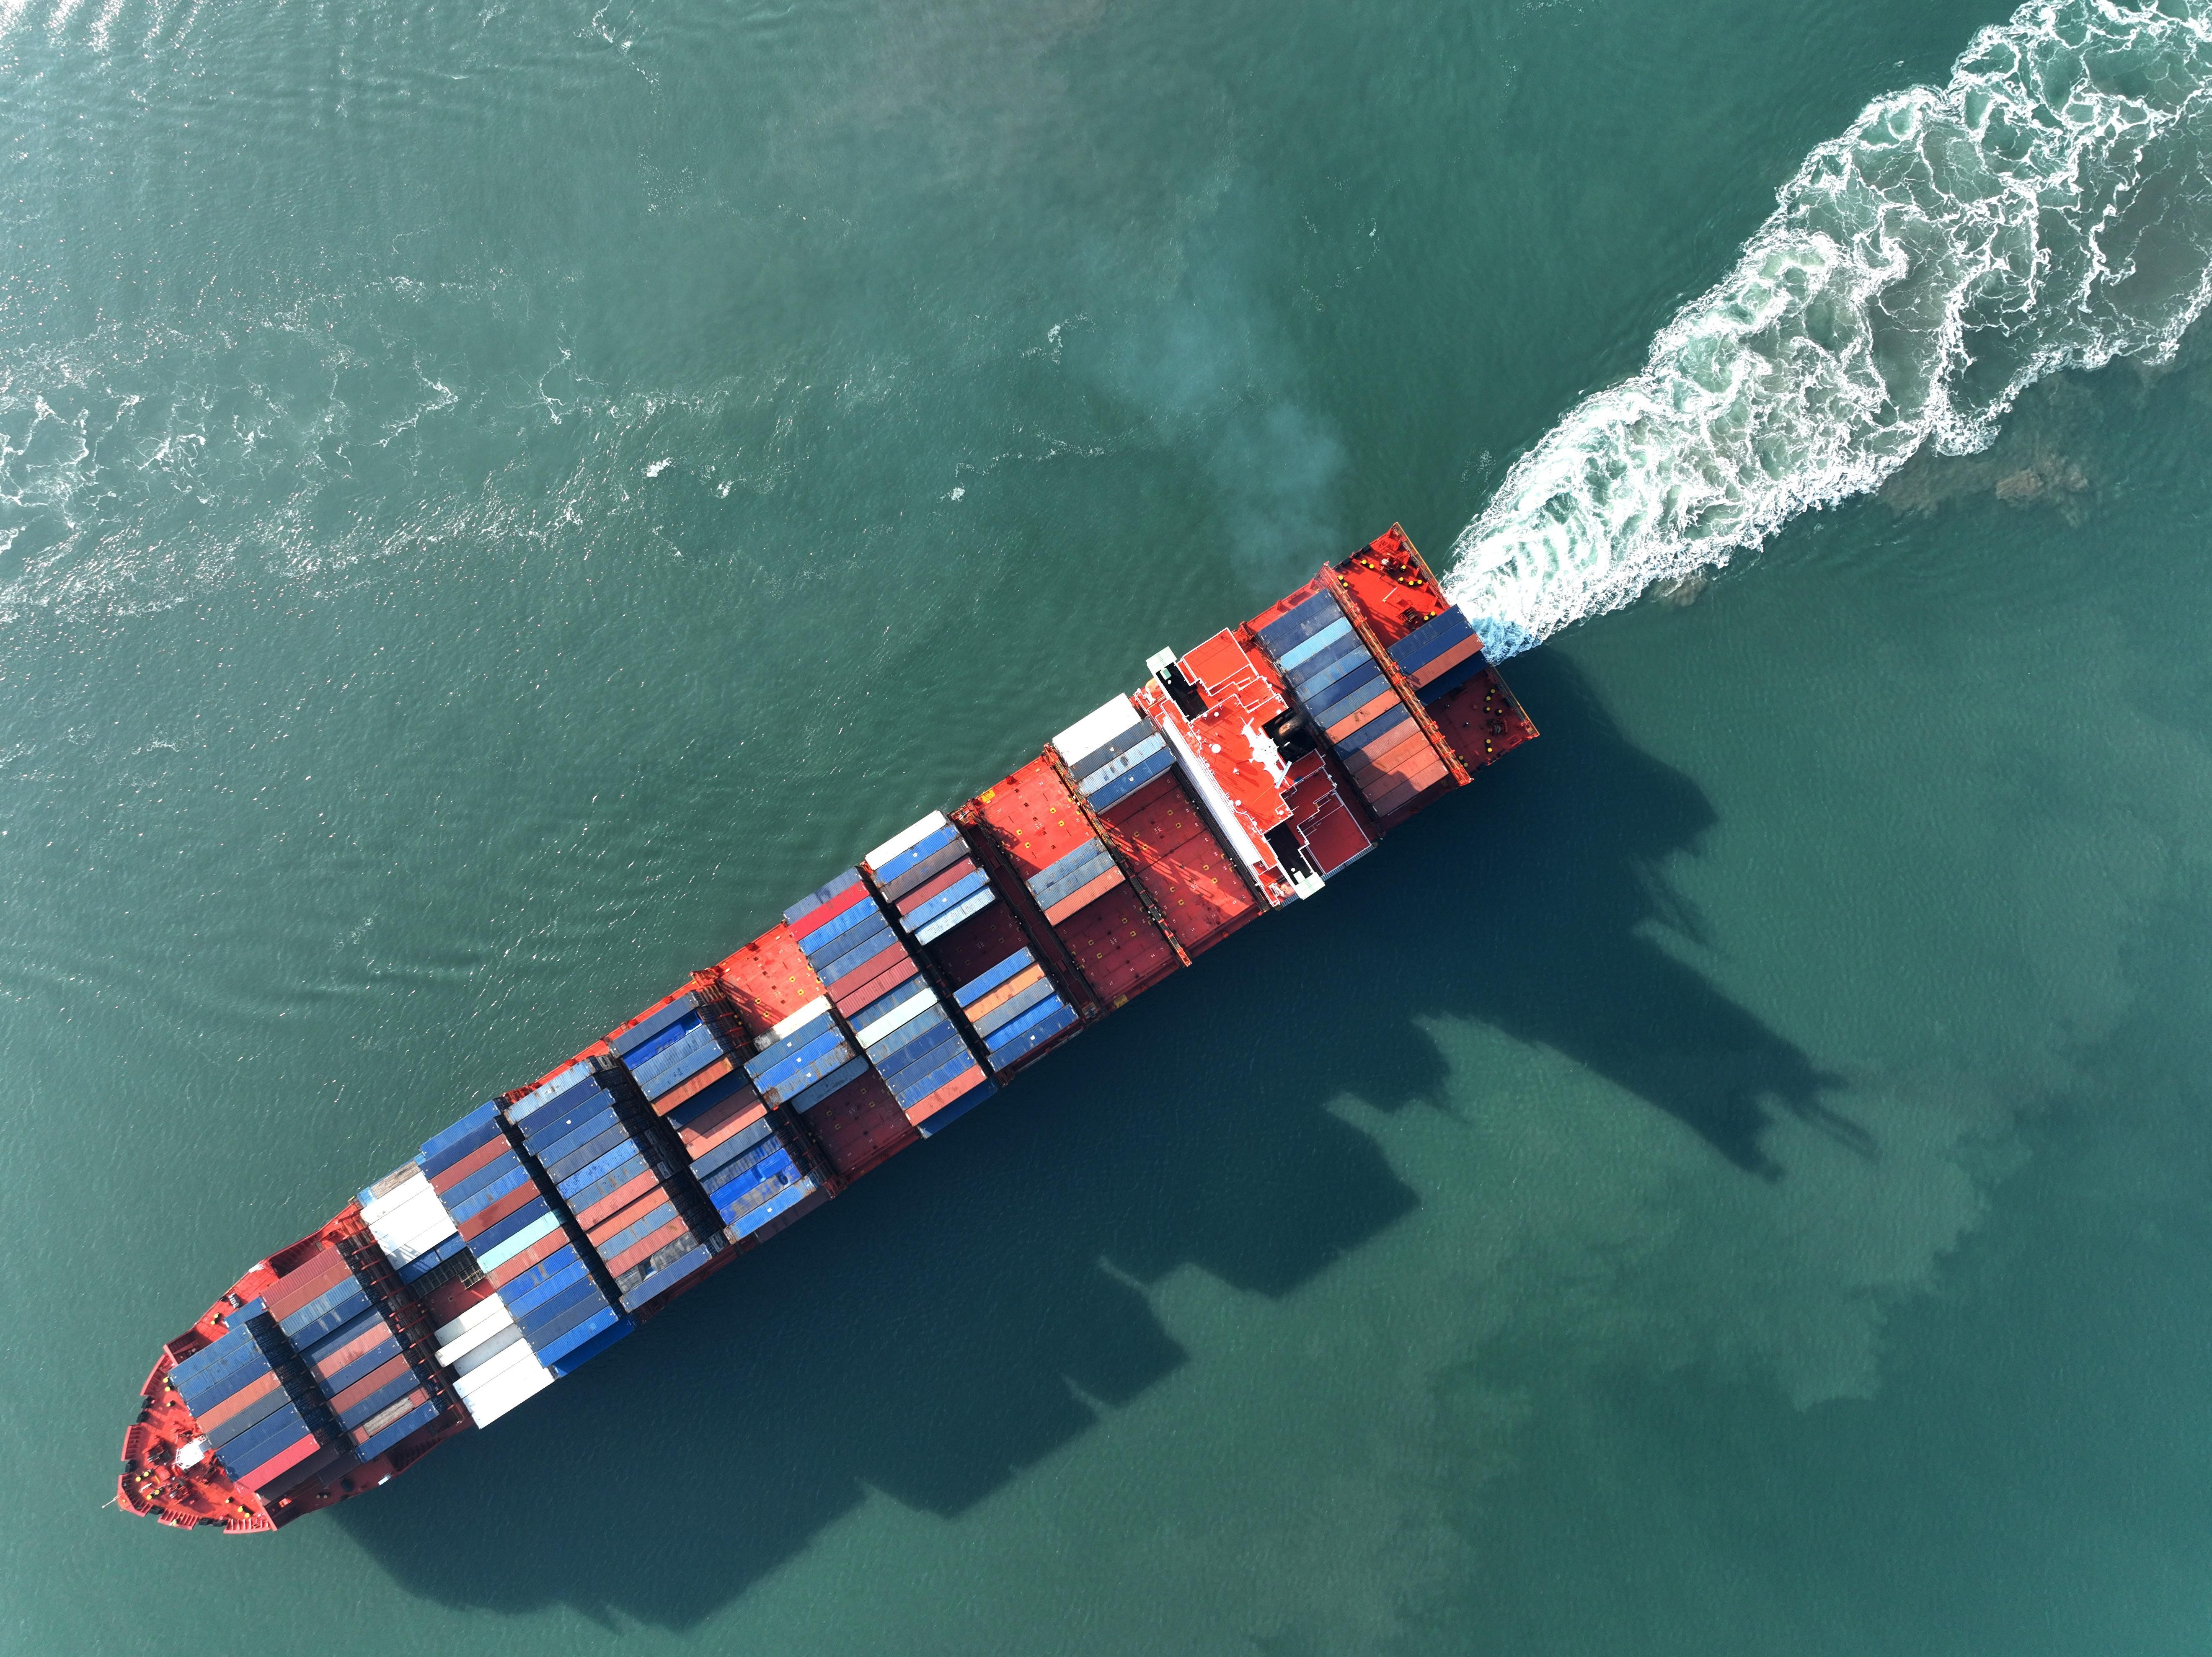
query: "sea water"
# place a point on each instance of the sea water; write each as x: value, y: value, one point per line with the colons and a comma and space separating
x: 499, y: 501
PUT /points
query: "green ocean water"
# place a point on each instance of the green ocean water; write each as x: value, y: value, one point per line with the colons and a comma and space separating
x: 499, y: 501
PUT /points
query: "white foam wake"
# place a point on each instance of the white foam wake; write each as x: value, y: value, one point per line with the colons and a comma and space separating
x: 2049, y: 207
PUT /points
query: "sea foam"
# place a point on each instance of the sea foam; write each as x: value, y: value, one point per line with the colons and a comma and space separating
x: 2049, y: 207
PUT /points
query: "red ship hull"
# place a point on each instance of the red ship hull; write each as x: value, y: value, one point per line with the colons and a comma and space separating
x: 1240, y: 777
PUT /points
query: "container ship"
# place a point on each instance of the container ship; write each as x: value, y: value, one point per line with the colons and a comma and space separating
x: 551, y: 1220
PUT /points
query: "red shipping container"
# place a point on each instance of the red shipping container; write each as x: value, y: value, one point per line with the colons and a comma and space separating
x: 1374, y: 707
x: 1437, y: 666
x: 814, y: 919
x: 489, y: 1216
x: 295, y: 1289
x: 354, y: 1351
x: 923, y: 1109
x: 1391, y: 795
x: 657, y: 1220
x: 883, y: 959
x: 1418, y: 763
x: 618, y: 1199
x: 1392, y: 742
x: 280, y: 1463
x: 936, y: 883
x: 1082, y: 895
x: 645, y: 1247
x: 475, y: 1163
x: 319, y: 1259
x: 1424, y: 772
x: 1385, y: 801
x: 383, y: 1375
x: 890, y: 968
x: 1006, y: 993
x: 508, y: 1269
x: 219, y: 1413
x: 710, y: 1127
x: 628, y: 1215
x: 1402, y: 795
x: 693, y: 1085
x: 1390, y: 755
x: 854, y: 994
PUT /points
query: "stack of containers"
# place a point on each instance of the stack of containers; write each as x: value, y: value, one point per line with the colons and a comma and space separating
x: 679, y: 1050
x: 408, y: 1222
x: 926, y: 873
x: 351, y: 1350
x: 1015, y: 1009
x: 752, y: 1172
x: 1440, y: 655
x: 492, y: 1380
x: 525, y: 1253
x: 603, y: 1153
x: 685, y: 1058
x: 842, y: 931
x: 1351, y: 701
x: 252, y: 1397
x: 917, y: 1048
x: 1068, y: 882
x: 500, y: 1216
x: 1112, y: 752
x: 803, y: 1060
x: 494, y: 1368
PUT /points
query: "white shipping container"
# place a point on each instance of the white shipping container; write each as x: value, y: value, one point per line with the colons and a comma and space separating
x: 415, y: 1229
x: 433, y: 1230
x: 487, y: 1376
x: 491, y: 1366
x: 398, y: 1196
x: 918, y: 1003
x: 391, y: 1183
x: 490, y: 1408
x: 429, y: 1214
x: 414, y: 1200
x: 396, y: 1210
x: 469, y: 1340
x: 473, y: 1352
x: 805, y: 1015
x: 490, y: 1311
x: 913, y: 835
x: 952, y: 917
x: 1097, y: 728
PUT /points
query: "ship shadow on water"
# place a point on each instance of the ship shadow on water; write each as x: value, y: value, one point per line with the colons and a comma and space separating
x: 958, y: 1315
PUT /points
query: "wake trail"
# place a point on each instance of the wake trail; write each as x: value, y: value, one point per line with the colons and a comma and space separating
x: 2049, y: 207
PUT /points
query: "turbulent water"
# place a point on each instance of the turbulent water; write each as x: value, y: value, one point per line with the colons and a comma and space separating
x: 2049, y: 207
